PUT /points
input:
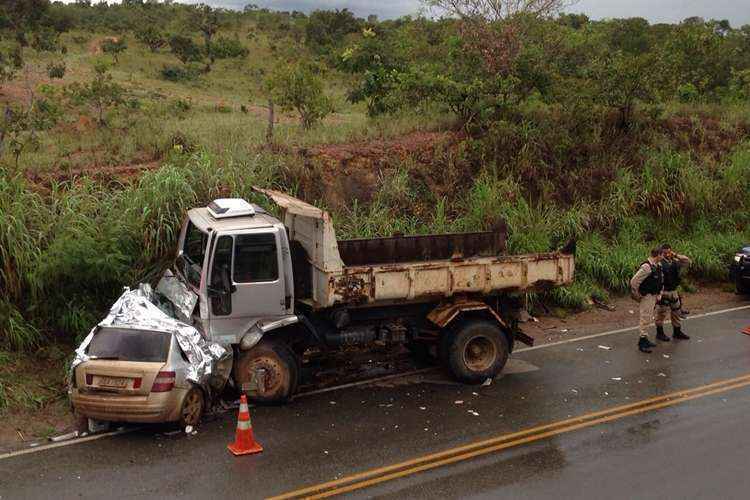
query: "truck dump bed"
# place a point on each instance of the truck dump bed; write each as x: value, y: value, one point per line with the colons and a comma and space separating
x: 405, y: 268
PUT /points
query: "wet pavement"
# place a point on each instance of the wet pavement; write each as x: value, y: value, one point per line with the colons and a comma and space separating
x: 695, y: 448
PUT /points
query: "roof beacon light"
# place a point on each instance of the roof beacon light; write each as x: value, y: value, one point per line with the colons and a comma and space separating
x: 230, y: 207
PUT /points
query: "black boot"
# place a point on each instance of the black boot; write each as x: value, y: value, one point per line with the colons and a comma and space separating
x: 644, y: 345
x: 660, y: 334
x: 677, y: 334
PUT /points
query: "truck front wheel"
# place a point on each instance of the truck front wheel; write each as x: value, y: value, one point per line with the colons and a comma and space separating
x: 477, y: 351
x: 268, y: 372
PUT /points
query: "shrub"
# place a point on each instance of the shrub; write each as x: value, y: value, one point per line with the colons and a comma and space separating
x: 227, y: 48
x: 687, y: 92
x: 56, y: 70
x: 179, y: 73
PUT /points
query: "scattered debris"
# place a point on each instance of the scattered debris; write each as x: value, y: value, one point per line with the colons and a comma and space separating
x: 580, y: 349
x: 662, y: 374
x: 475, y: 394
x: 189, y: 429
x: 332, y: 402
x: 603, y: 305
x: 459, y: 402
x: 574, y: 391
x: 564, y: 330
x: 631, y: 311
x: 665, y: 355
x: 605, y: 347
x: 64, y: 437
x: 616, y: 379
x: 487, y: 382
x: 473, y: 413
x: 423, y: 408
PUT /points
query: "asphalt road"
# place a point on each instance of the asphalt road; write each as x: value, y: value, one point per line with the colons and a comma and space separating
x: 574, y: 420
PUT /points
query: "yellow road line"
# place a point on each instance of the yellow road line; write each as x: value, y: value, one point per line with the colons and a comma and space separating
x: 387, y: 473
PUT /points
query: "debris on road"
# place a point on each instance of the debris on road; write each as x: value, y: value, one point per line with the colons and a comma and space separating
x: 662, y: 374
x: 422, y: 408
x: 473, y: 413
x: 605, y: 347
x: 459, y: 402
x: 666, y: 355
x: 616, y: 379
x: 574, y: 391
x: 64, y: 437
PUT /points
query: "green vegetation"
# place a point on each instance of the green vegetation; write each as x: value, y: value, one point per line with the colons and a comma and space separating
x: 619, y: 134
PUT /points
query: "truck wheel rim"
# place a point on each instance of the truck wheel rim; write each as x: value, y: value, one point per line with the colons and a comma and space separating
x: 479, y: 354
x: 273, y: 376
x: 192, y: 408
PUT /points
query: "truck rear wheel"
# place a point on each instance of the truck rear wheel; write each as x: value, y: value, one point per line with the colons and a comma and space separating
x: 477, y: 351
x: 276, y: 368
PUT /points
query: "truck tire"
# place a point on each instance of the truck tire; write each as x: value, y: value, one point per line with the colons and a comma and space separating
x: 281, y: 372
x: 477, y: 351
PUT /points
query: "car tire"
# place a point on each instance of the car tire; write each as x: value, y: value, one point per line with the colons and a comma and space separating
x: 193, y: 407
x: 281, y: 370
x: 478, y: 350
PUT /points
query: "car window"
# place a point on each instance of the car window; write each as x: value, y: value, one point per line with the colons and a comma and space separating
x: 130, y: 345
x: 255, y: 258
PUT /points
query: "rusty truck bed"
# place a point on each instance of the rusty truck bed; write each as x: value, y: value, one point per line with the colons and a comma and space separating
x: 406, y: 268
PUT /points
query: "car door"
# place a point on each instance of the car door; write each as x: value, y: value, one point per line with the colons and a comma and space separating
x: 250, y: 266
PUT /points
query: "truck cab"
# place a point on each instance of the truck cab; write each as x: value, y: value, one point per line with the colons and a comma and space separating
x: 236, y: 258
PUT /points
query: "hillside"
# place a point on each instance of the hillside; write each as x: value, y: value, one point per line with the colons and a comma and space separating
x: 617, y: 133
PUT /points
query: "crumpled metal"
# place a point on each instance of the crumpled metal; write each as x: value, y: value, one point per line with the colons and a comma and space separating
x: 182, y: 298
x: 208, y: 362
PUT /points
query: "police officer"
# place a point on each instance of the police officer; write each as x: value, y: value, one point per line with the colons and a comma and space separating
x: 645, y: 287
x: 670, y: 302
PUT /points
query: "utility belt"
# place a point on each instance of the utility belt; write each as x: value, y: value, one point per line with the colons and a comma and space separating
x: 674, y: 303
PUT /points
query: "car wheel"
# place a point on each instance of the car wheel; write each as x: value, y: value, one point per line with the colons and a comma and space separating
x: 277, y: 364
x: 477, y: 351
x: 192, y: 408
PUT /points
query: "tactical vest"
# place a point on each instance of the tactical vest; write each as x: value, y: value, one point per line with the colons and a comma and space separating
x: 671, y: 271
x: 653, y: 283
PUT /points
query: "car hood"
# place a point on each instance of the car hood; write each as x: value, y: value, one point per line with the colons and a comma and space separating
x: 138, y: 309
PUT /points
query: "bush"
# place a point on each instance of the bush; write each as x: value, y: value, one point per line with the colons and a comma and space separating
x: 56, y: 70
x: 179, y: 73
x: 687, y: 93
x: 227, y: 48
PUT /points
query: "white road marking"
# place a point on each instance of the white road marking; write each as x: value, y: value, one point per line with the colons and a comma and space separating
x: 50, y: 446
x: 363, y: 382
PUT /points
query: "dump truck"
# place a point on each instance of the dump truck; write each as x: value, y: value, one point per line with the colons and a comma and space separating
x: 273, y: 289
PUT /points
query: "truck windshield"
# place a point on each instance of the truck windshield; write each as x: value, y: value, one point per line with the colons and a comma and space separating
x: 193, y: 251
x: 124, y: 344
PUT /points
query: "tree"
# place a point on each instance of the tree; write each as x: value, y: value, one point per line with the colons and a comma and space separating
x: 298, y: 88
x: 327, y: 28
x: 23, y: 16
x: 101, y: 93
x: 205, y: 19
x: 622, y: 80
x: 498, y: 10
x: 151, y: 37
x: 185, y: 49
x: 114, y: 46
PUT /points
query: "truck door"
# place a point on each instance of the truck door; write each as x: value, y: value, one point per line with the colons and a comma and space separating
x: 246, y: 282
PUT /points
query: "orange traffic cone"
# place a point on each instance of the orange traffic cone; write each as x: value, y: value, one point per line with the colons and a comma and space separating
x: 244, y: 442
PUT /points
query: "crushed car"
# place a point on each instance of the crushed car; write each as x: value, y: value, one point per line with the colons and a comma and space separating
x: 142, y: 364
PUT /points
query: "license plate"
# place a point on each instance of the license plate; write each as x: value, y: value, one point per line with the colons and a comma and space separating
x: 117, y: 382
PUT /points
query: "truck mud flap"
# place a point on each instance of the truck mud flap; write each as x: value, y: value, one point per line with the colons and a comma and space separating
x: 519, y: 335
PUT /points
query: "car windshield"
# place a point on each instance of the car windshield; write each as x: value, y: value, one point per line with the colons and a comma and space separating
x: 124, y: 344
x: 193, y: 252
